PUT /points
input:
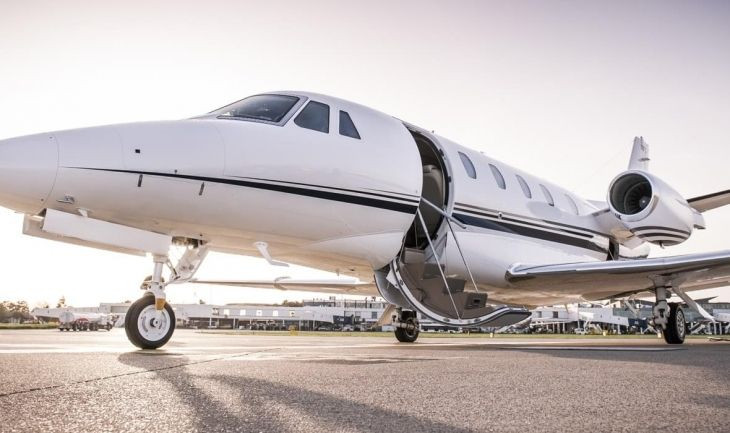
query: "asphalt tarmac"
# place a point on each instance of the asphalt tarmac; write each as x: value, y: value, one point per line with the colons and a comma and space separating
x: 96, y: 381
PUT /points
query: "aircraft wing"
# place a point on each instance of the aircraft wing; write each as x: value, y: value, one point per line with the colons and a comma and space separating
x: 710, y: 201
x: 604, y: 280
x: 340, y: 285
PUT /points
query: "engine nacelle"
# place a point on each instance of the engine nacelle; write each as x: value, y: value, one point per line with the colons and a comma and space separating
x: 650, y: 209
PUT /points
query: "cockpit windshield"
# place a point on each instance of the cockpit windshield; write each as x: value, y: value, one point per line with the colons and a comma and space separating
x: 262, y: 108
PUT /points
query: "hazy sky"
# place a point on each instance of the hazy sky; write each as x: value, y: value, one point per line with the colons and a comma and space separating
x: 557, y: 88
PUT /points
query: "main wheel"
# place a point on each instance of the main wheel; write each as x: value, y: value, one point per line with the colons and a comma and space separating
x: 143, y: 327
x: 409, y: 334
x: 677, y: 326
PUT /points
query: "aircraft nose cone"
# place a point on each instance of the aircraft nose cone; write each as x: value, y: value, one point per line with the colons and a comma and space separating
x: 28, y: 167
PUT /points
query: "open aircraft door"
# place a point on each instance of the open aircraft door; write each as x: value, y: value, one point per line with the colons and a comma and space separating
x: 417, y: 278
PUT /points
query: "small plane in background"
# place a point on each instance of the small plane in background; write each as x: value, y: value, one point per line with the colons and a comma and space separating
x: 431, y: 226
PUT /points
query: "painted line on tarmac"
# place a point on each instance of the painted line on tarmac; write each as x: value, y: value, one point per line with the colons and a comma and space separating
x: 14, y: 348
x: 602, y: 348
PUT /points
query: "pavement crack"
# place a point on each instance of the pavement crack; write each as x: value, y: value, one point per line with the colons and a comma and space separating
x: 131, y: 373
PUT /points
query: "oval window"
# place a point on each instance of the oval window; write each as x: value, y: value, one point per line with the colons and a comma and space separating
x: 468, y: 166
x: 498, y: 176
x: 573, y: 205
x: 548, y: 196
x: 525, y: 187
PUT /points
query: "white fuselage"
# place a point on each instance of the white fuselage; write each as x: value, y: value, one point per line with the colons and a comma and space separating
x: 318, y: 199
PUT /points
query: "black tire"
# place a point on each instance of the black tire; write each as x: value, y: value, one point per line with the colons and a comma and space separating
x: 677, y: 326
x: 405, y: 335
x: 131, y: 324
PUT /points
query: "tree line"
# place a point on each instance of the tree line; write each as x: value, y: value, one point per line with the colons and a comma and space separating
x: 14, y: 311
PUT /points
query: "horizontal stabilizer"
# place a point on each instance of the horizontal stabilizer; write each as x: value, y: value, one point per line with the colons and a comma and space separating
x: 710, y: 201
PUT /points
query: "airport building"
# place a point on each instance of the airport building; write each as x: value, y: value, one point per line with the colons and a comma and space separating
x: 362, y: 315
x: 314, y: 314
x: 622, y: 318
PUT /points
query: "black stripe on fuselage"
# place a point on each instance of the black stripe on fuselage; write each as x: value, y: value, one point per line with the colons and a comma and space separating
x: 408, y: 207
x: 673, y: 236
x: 534, y: 222
x: 531, y: 232
x: 505, y: 225
x: 408, y: 198
x: 491, y: 212
x: 658, y: 228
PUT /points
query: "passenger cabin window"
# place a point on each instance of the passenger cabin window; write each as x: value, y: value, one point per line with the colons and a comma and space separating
x: 347, y: 128
x: 548, y: 196
x: 573, y: 205
x: 498, y: 177
x: 468, y: 166
x: 525, y: 187
x: 315, y: 116
x: 262, y: 108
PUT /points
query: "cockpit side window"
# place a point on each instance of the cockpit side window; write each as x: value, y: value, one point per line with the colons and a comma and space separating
x: 315, y: 116
x: 347, y: 127
x: 259, y: 108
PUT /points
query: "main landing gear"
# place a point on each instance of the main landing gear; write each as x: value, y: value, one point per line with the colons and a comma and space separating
x: 669, y: 318
x: 406, y: 326
x: 150, y: 321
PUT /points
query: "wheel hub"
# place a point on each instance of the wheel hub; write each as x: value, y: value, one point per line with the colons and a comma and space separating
x: 153, y: 325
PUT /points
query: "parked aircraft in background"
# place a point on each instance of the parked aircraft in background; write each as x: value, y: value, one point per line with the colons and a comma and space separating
x: 432, y: 226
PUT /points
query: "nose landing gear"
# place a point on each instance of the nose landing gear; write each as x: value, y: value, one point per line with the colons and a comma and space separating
x: 150, y: 321
x: 147, y: 327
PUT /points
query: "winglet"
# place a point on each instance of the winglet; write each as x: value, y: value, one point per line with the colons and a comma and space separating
x: 639, y: 155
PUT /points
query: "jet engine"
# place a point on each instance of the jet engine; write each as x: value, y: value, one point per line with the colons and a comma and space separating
x: 650, y: 209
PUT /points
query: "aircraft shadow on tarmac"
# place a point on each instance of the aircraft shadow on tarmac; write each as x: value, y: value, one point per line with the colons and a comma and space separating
x: 255, y: 394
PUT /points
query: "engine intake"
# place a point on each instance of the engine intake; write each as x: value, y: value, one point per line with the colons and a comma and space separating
x: 649, y: 209
x: 631, y: 193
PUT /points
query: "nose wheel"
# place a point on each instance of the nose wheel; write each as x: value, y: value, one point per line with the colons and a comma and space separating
x: 147, y: 327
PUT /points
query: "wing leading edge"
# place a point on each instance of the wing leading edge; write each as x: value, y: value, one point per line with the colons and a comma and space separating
x: 350, y: 287
x: 603, y: 280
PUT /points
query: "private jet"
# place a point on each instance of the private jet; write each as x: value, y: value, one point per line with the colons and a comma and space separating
x: 393, y: 209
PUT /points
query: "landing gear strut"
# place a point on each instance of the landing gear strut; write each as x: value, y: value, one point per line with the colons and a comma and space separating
x: 406, y: 326
x: 150, y: 321
x: 669, y: 318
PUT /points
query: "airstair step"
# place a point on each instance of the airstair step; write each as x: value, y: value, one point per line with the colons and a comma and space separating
x: 431, y: 270
x: 455, y: 285
x: 413, y: 255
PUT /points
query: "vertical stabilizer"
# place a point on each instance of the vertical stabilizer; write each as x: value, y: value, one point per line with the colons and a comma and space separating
x: 639, y: 155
